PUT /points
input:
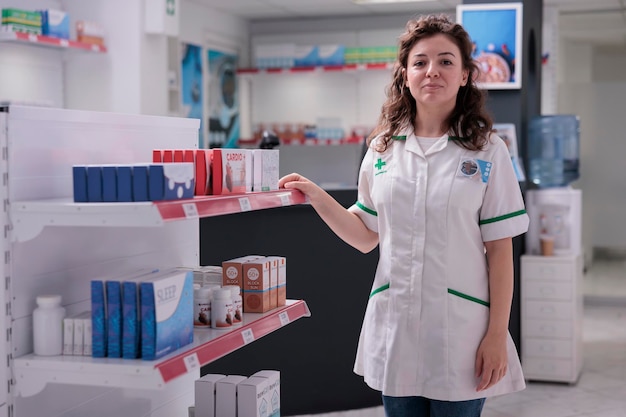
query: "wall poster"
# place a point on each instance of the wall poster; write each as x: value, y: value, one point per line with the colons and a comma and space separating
x: 223, y: 105
x: 191, y: 85
x: 496, y: 32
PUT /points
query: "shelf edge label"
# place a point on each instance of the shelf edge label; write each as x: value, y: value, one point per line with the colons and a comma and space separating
x: 284, y: 318
x: 192, y: 362
x: 191, y: 210
x: 248, y: 336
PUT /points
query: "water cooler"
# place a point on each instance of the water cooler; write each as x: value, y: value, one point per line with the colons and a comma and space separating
x: 554, y: 207
x: 551, y: 269
x: 555, y: 214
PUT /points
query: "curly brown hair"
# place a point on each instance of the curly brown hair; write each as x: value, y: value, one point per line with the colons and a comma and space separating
x: 469, y: 121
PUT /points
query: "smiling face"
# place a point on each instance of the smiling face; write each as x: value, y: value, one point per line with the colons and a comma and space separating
x: 435, y: 72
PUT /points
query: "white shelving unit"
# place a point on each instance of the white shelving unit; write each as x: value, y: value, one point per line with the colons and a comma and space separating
x: 552, y: 316
x: 34, y: 372
x: 48, y: 42
x: 52, y: 245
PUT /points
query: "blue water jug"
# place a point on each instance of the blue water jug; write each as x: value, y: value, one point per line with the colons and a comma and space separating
x: 553, y: 150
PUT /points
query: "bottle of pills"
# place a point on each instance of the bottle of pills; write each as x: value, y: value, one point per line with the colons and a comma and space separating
x: 48, y: 326
x: 235, y: 291
x: 202, y: 307
x: 222, y: 309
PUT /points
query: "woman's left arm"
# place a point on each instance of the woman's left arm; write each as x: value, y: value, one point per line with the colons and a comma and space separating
x: 491, y: 357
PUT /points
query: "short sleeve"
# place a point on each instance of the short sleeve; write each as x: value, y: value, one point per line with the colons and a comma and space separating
x: 364, y: 206
x: 503, y: 213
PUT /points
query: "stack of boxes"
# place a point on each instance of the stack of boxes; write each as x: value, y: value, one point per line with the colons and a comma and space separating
x: 148, y: 315
x: 220, y: 395
x: 179, y: 174
x: 263, y: 281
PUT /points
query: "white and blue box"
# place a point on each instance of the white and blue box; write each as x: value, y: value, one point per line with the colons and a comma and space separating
x: 166, y: 313
x: 259, y: 395
x: 171, y: 181
x: 55, y: 23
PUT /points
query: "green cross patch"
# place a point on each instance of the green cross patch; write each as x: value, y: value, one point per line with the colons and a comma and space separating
x: 379, y: 166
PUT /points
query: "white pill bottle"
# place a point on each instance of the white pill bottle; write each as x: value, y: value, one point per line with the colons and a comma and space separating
x: 48, y: 326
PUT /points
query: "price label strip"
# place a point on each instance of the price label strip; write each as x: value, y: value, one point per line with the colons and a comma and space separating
x: 284, y: 318
x: 248, y: 336
x: 244, y: 203
x: 191, y: 210
x: 192, y: 362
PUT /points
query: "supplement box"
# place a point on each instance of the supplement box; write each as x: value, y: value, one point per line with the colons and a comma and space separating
x: 265, y: 163
x: 231, y: 171
x: 259, y: 395
x: 166, y: 313
x: 114, y: 318
x: 232, y: 270
x: 226, y: 396
x: 171, y: 181
x: 55, y: 23
x: 256, y: 286
x: 98, y: 319
x: 204, y: 391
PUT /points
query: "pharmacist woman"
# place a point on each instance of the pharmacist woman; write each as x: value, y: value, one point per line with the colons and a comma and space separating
x: 437, y: 193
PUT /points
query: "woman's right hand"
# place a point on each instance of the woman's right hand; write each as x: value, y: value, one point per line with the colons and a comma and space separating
x: 300, y: 183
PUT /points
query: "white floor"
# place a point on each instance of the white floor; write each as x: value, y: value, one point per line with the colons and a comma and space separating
x: 601, y: 390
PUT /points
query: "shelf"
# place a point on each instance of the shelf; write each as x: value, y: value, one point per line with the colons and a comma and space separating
x: 29, y: 217
x: 325, y: 68
x: 353, y: 140
x: 34, y: 372
x: 47, y: 41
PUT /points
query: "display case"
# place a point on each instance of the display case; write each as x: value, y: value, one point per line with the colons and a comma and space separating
x: 52, y: 245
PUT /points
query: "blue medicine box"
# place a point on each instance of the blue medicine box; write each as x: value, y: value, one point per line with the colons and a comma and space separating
x: 140, y: 183
x: 79, y: 178
x: 125, y: 183
x: 55, y: 23
x: 109, y: 183
x: 114, y: 318
x: 166, y: 313
x: 98, y: 319
x: 94, y: 183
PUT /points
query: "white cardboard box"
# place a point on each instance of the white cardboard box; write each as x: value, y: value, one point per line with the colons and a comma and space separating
x: 226, y: 395
x: 204, y: 392
x: 259, y: 395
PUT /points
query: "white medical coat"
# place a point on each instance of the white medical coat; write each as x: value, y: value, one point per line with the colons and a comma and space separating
x: 428, y: 309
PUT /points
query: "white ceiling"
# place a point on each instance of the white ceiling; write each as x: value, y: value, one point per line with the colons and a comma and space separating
x: 596, y: 21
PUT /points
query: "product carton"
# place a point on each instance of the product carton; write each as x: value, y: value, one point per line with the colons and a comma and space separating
x: 94, y: 183
x: 140, y: 183
x: 68, y: 336
x: 265, y: 162
x: 114, y: 318
x: 55, y: 23
x: 204, y: 391
x: 259, y: 395
x: 125, y: 183
x: 171, y: 181
x: 231, y: 171
x: 166, y: 313
x: 256, y: 286
x: 226, y: 395
x: 232, y: 270
x: 82, y: 334
x: 98, y: 319
x: 131, y: 316
x: 109, y: 183
x: 79, y: 178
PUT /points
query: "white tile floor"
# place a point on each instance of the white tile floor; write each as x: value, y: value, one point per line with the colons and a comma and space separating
x: 601, y: 390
